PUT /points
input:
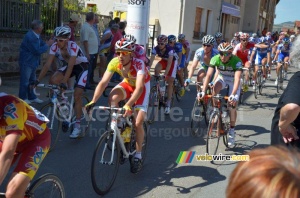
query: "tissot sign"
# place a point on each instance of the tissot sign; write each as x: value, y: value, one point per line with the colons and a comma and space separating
x: 138, y: 20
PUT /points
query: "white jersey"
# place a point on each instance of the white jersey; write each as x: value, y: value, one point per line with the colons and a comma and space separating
x: 73, y: 50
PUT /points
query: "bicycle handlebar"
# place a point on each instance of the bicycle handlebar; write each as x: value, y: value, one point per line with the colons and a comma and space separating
x: 53, y: 87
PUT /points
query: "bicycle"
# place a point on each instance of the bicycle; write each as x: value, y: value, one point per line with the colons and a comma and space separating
x: 201, y: 109
x: 157, y: 98
x: 219, y: 125
x: 259, y: 82
x: 48, y: 185
x: 279, y: 85
x: 60, y: 113
x: 111, y: 151
x: 244, y: 85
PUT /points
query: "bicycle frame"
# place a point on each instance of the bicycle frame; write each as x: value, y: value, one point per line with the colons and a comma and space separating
x: 116, y: 132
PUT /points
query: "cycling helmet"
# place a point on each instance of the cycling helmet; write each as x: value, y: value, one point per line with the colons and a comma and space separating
x: 124, y: 44
x: 292, y: 36
x: 286, y: 40
x: 172, y: 38
x: 62, y: 31
x: 262, y: 40
x: 208, y: 40
x: 218, y: 35
x: 130, y: 37
x: 254, y: 35
x: 237, y: 34
x: 181, y: 36
x: 244, y: 36
x: 162, y: 39
x: 225, y: 47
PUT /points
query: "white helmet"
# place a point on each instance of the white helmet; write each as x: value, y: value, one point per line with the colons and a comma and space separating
x: 218, y: 35
x: 208, y: 39
x: 64, y: 31
x: 124, y: 44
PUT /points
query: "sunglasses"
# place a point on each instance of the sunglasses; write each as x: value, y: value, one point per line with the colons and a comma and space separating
x: 61, y: 40
x: 244, y: 40
x: 224, y: 54
x: 205, y: 45
x: 161, y: 43
x: 123, y: 53
x: 171, y: 42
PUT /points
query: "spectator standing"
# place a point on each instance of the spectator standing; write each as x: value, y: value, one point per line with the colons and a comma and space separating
x: 117, y: 36
x: 74, y: 18
x: 89, y: 44
x: 95, y: 26
x: 105, y: 43
x: 31, y: 49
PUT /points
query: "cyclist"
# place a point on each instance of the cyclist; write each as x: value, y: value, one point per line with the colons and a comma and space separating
x: 261, y: 58
x: 235, y: 40
x: 230, y: 69
x: 186, y: 54
x: 219, y: 39
x: 202, y: 55
x: 282, y: 56
x: 24, y: 135
x: 167, y: 63
x: 177, y: 47
x: 75, y: 64
x: 135, y: 88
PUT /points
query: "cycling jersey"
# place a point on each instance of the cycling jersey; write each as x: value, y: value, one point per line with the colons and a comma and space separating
x: 140, y: 52
x: 261, y: 53
x: 226, y: 69
x: 284, y: 49
x: 243, y: 54
x: 137, y: 67
x: 199, y: 56
x: 168, y: 52
x: 185, y: 46
x: 73, y: 50
x: 17, y: 117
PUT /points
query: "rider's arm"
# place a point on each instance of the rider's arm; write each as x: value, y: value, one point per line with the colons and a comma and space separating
x: 276, y: 55
x: 102, y: 85
x: 152, y: 59
x: 46, y: 67
x: 170, y: 60
x: 208, y: 76
x: 71, y: 64
x: 139, y: 87
x: 193, y: 67
x: 252, y: 55
x: 180, y: 57
x: 261, y: 45
x: 7, y: 154
x: 188, y: 49
x: 237, y: 80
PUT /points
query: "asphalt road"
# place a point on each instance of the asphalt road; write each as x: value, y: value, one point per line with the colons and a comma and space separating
x: 161, y: 175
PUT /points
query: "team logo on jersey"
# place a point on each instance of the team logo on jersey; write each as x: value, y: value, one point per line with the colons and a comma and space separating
x: 84, y: 79
x: 10, y: 111
x: 54, y: 48
x: 74, y: 47
x: 138, y: 64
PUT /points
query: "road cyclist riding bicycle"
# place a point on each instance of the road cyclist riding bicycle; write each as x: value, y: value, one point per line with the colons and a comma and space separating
x: 135, y: 88
x: 75, y: 64
x: 168, y: 63
x: 230, y: 69
x: 282, y: 57
x: 24, y: 135
x: 203, y: 56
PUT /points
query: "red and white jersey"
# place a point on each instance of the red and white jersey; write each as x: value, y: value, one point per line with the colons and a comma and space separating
x: 140, y: 53
x: 243, y: 54
x: 73, y: 50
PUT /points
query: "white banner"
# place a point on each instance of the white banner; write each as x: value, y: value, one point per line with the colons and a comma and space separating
x: 138, y: 20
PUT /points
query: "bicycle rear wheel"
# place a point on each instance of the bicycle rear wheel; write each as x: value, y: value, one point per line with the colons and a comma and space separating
x: 153, y: 105
x: 47, y: 185
x: 213, y: 134
x: 84, y: 123
x: 133, y: 142
x: 197, y: 116
x: 103, y: 172
x: 208, y: 109
x: 48, y: 111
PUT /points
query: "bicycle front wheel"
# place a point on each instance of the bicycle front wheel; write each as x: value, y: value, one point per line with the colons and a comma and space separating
x: 153, y: 105
x: 104, y: 166
x: 213, y: 134
x: 47, y: 185
x: 55, y: 123
x: 197, y: 116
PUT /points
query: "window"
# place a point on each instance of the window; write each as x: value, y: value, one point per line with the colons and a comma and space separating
x: 237, y: 2
x: 235, y: 20
x: 197, y: 23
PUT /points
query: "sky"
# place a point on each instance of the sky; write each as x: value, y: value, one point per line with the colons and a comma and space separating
x: 287, y: 10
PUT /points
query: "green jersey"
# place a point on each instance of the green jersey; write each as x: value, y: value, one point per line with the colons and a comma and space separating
x: 226, y: 69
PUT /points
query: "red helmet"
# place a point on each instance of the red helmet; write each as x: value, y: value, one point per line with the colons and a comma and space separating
x: 162, y: 39
x: 237, y: 34
x: 244, y: 36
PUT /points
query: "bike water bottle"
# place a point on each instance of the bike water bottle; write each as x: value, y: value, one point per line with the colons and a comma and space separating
x: 224, y: 114
x: 126, y: 134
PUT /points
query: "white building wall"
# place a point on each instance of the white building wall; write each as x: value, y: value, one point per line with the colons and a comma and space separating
x: 251, y: 16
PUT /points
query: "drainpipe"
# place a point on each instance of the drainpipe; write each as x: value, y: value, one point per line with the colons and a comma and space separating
x: 180, y: 16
